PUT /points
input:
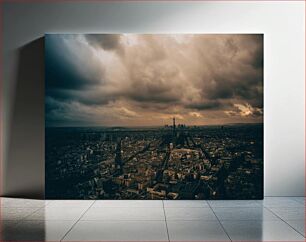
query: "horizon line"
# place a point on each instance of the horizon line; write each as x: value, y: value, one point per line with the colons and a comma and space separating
x: 148, y: 126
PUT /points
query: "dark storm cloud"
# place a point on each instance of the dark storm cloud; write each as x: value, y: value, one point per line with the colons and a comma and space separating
x: 221, y: 90
x: 63, y: 66
x: 104, y: 41
x: 63, y: 114
x: 60, y: 71
x: 208, y: 105
x: 88, y: 97
x: 235, y: 86
x: 257, y: 60
x: 151, y: 98
x: 235, y: 69
x: 136, y: 79
x: 71, y: 73
x: 152, y: 92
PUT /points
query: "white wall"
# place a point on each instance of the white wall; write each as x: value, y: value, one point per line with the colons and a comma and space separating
x: 282, y: 23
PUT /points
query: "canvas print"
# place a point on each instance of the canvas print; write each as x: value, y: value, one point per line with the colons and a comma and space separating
x: 154, y: 116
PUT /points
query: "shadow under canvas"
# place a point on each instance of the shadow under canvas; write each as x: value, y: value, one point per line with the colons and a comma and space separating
x: 24, y: 169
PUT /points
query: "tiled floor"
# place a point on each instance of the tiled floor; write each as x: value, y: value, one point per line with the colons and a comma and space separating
x: 274, y: 219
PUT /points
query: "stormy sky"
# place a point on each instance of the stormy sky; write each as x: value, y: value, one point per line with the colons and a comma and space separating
x: 145, y: 80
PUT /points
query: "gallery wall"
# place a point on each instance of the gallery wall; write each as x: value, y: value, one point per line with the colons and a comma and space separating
x: 24, y: 25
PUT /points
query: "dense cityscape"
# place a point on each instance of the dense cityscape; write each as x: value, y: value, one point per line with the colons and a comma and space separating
x: 171, y: 162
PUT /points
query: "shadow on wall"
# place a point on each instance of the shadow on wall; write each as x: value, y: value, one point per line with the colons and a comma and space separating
x: 25, y: 155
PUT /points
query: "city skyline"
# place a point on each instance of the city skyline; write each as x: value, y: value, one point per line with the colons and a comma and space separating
x: 174, y: 162
x: 132, y: 80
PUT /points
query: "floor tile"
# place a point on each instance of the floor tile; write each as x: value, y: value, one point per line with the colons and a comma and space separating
x: 16, y: 213
x: 124, y: 214
x: 139, y: 220
x: 300, y: 200
x: 244, y: 214
x: 189, y: 214
x: 7, y: 227
x: 185, y: 204
x: 4, y: 224
x: 281, y: 202
x: 261, y: 231
x: 290, y: 213
x: 298, y: 225
x: 22, y: 203
x: 39, y: 230
x: 57, y: 213
x: 128, y: 203
x: 118, y: 231
x: 69, y: 203
x: 196, y: 231
x: 234, y: 203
